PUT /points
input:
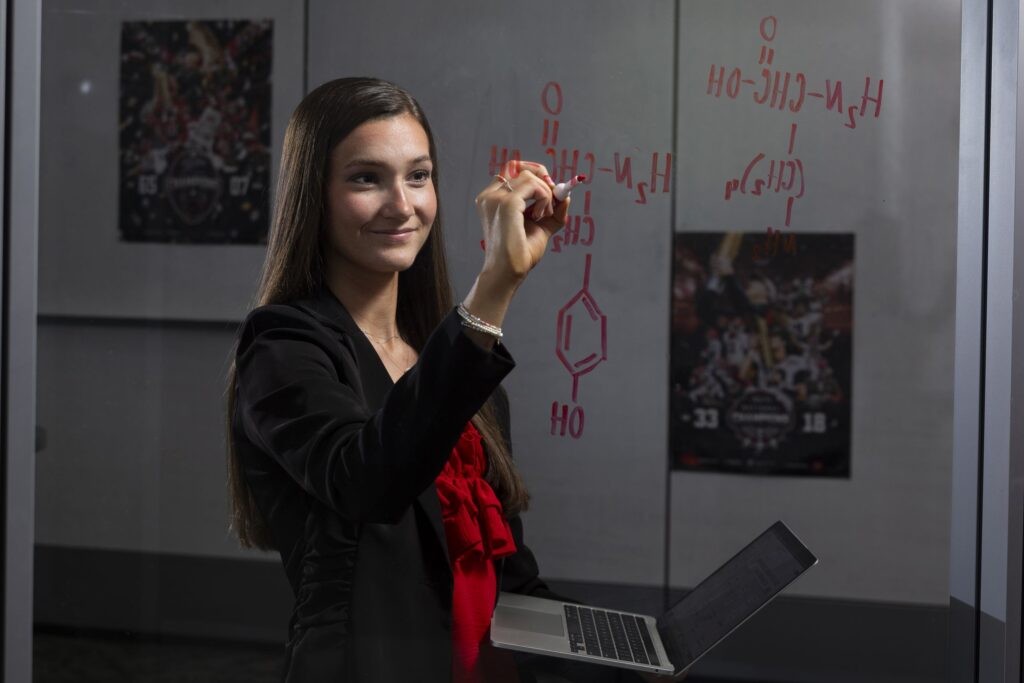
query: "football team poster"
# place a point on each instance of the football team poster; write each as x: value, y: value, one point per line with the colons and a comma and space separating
x: 762, y: 327
x: 194, y: 110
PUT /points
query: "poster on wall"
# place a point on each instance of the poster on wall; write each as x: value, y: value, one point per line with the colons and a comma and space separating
x: 762, y: 328
x: 195, y: 102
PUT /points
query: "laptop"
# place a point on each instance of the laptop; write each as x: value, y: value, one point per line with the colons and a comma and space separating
x: 667, y: 645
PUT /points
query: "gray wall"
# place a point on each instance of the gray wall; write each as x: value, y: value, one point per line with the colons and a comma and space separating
x: 134, y: 456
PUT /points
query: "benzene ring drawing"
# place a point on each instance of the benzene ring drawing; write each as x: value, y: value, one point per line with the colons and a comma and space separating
x: 582, y: 339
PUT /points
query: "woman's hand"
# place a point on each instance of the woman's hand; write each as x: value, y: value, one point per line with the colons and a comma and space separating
x: 516, y: 234
x: 515, y: 237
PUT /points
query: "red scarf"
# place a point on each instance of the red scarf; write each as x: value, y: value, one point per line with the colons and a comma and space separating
x: 477, y: 533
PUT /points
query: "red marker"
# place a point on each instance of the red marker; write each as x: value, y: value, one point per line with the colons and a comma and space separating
x: 562, y: 190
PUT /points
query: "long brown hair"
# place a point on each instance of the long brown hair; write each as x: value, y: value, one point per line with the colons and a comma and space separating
x: 294, y: 267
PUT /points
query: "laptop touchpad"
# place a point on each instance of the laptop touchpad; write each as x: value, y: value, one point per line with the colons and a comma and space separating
x: 531, y: 620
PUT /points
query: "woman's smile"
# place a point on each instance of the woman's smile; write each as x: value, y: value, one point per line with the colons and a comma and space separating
x: 395, y: 234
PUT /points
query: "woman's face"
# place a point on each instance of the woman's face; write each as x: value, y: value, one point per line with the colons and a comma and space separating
x: 380, y: 198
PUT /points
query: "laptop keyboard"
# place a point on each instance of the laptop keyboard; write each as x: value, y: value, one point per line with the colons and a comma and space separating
x: 612, y: 635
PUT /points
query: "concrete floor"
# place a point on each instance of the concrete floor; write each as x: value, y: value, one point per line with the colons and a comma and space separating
x: 67, y: 657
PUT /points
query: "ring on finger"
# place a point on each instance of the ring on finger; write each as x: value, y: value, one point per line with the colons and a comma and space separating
x: 504, y: 181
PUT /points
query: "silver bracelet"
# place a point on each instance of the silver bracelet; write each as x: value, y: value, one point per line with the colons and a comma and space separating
x: 474, y: 323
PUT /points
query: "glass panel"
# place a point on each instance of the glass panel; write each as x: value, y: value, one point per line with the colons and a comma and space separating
x: 821, y: 345
x: 160, y: 126
x: 747, y: 318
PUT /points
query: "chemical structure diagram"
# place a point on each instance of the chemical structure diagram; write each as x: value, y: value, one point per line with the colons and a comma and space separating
x: 581, y: 327
x: 592, y: 325
x: 564, y: 163
x: 778, y: 90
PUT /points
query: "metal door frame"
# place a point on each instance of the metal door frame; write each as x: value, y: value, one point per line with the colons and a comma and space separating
x: 20, y: 143
x: 987, y: 531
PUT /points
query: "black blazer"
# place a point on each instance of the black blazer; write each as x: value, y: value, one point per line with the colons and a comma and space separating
x: 341, y: 462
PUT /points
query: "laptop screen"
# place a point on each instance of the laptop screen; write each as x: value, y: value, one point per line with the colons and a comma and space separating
x: 732, y: 594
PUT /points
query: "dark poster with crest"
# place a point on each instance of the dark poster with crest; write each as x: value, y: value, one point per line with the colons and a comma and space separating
x: 762, y: 328
x: 195, y: 104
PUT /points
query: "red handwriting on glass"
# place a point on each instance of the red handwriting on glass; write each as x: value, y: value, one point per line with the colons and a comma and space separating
x: 772, y: 87
x: 564, y: 162
x: 775, y: 89
x: 770, y: 247
x: 578, y: 230
x: 581, y: 343
x: 581, y: 334
x: 777, y: 176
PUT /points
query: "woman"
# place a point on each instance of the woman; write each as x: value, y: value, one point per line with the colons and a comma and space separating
x: 368, y: 435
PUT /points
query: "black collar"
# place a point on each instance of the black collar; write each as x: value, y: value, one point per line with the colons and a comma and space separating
x: 328, y: 309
